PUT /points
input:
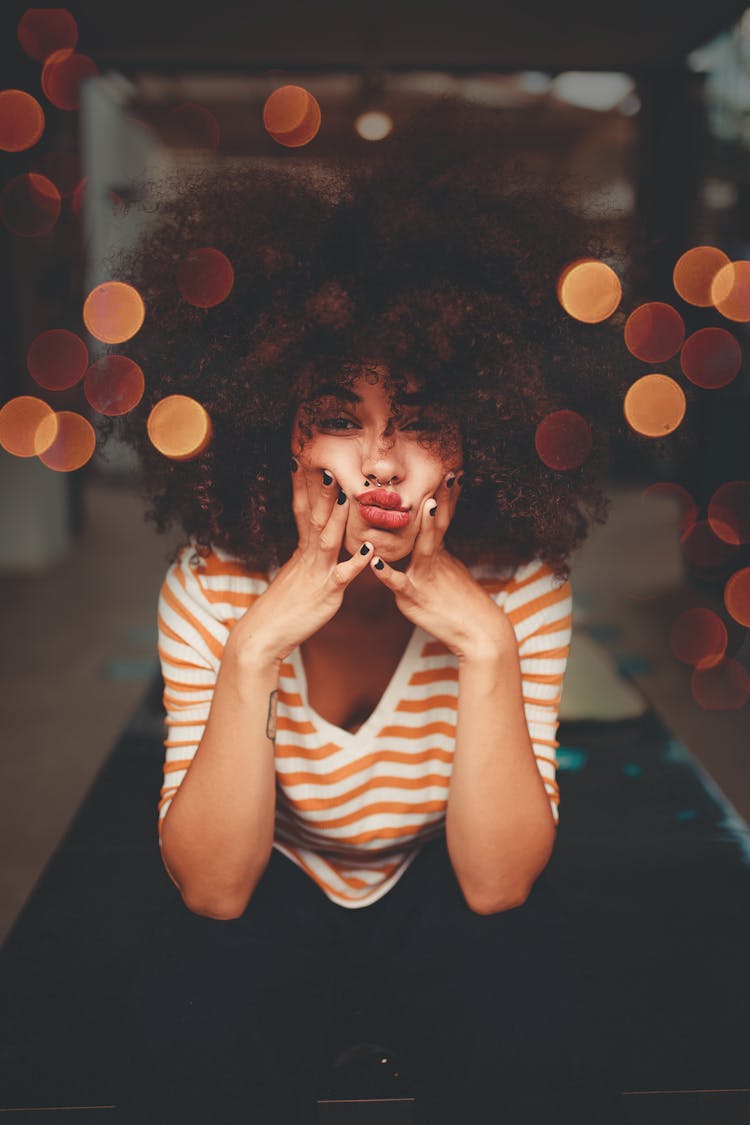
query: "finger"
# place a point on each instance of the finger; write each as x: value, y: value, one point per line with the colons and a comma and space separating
x: 427, y: 538
x: 323, y: 492
x: 447, y: 498
x: 332, y: 535
x: 300, y: 502
x: 348, y: 570
x: 395, y: 580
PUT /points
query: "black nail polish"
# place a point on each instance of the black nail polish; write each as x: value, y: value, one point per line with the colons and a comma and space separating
x: 327, y: 478
x: 341, y: 498
x: 379, y: 564
x: 433, y: 510
x: 461, y: 478
x: 293, y: 465
x: 450, y: 482
x: 363, y: 550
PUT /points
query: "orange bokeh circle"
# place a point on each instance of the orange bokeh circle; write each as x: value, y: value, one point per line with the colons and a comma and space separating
x: 20, y: 419
x: 711, y: 358
x: 737, y: 596
x: 205, y: 277
x: 114, y: 385
x: 706, y: 554
x: 589, y: 290
x: 73, y: 444
x: 44, y: 30
x: 724, y: 687
x: 179, y: 427
x: 57, y: 359
x: 291, y: 115
x: 21, y: 120
x: 62, y: 75
x: 694, y: 273
x: 698, y: 637
x: 113, y: 312
x: 654, y: 332
x: 563, y: 440
x: 730, y: 291
x: 675, y: 493
x: 729, y: 512
x: 654, y: 405
x: 30, y: 205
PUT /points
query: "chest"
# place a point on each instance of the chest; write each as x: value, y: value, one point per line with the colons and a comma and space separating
x: 347, y: 672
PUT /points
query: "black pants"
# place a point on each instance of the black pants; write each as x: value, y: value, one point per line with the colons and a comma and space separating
x: 237, y: 1021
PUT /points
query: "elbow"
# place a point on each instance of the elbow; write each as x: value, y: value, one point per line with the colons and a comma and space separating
x: 221, y: 910
x: 487, y: 904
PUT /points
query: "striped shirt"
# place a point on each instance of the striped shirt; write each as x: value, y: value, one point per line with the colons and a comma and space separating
x: 354, y: 809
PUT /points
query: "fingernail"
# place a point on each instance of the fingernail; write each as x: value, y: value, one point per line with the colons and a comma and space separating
x: 293, y: 465
x: 433, y: 509
x: 461, y: 478
x: 379, y: 564
x: 341, y: 498
x: 364, y: 549
x: 450, y: 482
x: 327, y: 478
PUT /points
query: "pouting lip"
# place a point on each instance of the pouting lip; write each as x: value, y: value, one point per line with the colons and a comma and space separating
x: 382, y: 498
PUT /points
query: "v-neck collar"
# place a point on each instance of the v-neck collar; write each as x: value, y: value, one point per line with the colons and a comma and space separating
x: 385, y: 706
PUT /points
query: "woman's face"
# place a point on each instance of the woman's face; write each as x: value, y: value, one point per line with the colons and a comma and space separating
x: 357, y: 440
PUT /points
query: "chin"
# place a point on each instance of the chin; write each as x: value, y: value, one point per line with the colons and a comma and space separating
x: 389, y: 544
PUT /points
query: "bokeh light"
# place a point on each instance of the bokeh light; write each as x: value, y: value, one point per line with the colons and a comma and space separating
x: 73, y: 445
x: 737, y: 596
x: 589, y: 290
x: 63, y: 168
x: 192, y: 126
x: 113, y: 312
x: 179, y: 427
x: 729, y: 512
x: 291, y: 115
x: 57, y: 359
x: 730, y: 291
x: 708, y: 556
x: 21, y: 120
x: 698, y: 637
x: 674, y: 493
x: 711, y: 358
x: 20, y: 420
x: 30, y: 205
x: 114, y: 385
x: 374, y: 125
x: 654, y: 405
x: 654, y: 332
x: 694, y: 273
x: 725, y: 687
x: 205, y: 277
x: 563, y: 439
x: 44, y: 30
x: 62, y: 75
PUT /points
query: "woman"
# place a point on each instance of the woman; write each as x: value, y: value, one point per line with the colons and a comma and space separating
x: 363, y: 647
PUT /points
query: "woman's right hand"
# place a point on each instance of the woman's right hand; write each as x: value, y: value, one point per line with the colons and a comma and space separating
x: 309, y: 588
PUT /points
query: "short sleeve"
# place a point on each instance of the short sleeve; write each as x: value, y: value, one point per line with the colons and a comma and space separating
x: 540, y: 609
x: 191, y: 642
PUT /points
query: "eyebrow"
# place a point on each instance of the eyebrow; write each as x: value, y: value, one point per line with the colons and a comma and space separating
x: 408, y: 398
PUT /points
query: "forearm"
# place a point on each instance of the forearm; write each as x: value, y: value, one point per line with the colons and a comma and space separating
x: 218, y: 831
x: 499, y: 826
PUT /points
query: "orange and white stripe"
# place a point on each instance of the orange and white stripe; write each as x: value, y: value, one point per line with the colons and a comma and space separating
x: 353, y: 809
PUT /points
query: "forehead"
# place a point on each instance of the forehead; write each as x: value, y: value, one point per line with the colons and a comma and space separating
x: 371, y: 386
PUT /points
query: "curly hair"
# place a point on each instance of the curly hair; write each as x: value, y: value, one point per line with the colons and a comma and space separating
x: 437, y: 260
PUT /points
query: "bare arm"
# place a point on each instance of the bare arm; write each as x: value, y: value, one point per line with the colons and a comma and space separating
x: 218, y: 832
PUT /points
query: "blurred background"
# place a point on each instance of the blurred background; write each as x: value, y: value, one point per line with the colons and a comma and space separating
x: 646, y: 105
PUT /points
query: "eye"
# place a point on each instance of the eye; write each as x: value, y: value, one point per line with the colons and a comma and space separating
x: 339, y: 423
x: 421, y: 423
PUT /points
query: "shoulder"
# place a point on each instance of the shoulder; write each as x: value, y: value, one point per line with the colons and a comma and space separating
x: 530, y: 594
x: 216, y: 586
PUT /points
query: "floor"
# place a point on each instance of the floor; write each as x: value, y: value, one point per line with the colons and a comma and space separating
x: 82, y: 651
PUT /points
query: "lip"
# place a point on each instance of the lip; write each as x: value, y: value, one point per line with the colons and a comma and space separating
x: 381, y: 498
x: 388, y: 519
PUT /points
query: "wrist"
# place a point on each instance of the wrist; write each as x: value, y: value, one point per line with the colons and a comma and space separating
x: 250, y: 654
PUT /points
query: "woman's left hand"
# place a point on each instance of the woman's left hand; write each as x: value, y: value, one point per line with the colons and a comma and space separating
x: 439, y: 593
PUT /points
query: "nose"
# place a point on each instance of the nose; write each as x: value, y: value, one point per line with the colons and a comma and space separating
x: 382, y: 461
